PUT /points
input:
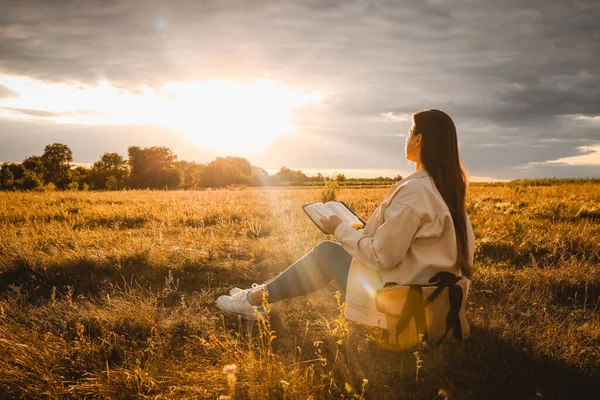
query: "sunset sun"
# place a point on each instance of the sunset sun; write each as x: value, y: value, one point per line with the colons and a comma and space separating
x: 234, y: 116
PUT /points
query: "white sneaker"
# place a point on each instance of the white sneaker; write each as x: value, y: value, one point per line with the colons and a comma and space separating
x: 234, y: 291
x: 238, y: 304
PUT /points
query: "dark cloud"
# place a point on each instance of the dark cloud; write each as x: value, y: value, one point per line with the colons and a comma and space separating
x: 514, y: 75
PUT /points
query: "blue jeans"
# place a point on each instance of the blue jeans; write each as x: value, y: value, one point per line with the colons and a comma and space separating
x: 327, y: 261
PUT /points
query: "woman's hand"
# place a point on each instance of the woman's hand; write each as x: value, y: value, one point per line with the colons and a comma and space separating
x: 329, y: 224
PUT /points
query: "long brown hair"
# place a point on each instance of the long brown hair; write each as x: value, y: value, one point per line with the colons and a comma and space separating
x: 439, y: 155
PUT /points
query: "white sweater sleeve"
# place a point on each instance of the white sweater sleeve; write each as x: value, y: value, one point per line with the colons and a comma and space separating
x: 390, y: 243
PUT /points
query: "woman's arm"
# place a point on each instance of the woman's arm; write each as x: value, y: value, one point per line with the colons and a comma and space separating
x: 388, y: 247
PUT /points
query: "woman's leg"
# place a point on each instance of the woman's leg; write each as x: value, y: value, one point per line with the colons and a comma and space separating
x: 327, y: 261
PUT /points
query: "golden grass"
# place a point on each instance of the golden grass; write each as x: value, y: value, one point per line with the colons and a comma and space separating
x: 111, y: 295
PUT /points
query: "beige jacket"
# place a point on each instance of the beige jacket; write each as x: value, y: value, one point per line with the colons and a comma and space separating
x: 408, y: 239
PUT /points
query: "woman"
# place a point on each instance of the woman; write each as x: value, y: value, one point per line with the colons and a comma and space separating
x: 419, y: 230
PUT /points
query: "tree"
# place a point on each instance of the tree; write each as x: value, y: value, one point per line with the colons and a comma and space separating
x: 34, y: 164
x: 7, y: 178
x: 14, y: 172
x: 82, y: 176
x: 17, y: 170
x: 286, y: 174
x: 111, y: 183
x: 191, y: 173
x: 55, y: 163
x: 29, y: 181
x: 340, y: 177
x: 224, y: 171
x: 153, y: 168
x: 260, y: 177
x: 111, y: 166
x: 112, y: 162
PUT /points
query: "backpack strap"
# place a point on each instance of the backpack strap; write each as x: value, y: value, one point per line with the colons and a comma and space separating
x: 447, y: 280
x: 414, y: 307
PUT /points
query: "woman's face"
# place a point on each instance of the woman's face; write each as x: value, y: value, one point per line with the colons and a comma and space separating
x: 413, y: 145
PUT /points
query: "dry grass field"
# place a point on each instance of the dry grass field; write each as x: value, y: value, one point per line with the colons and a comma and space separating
x: 111, y: 295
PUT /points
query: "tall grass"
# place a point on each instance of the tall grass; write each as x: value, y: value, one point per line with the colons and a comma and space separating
x: 111, y: 295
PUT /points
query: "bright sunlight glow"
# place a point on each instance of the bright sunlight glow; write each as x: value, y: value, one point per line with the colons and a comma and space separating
x: 235, y: 116
x: 228, y: 116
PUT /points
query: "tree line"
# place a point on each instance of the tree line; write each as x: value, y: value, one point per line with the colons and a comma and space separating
x: 153, y: 167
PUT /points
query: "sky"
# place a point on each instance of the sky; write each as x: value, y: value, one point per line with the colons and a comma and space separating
x: 317, y: 85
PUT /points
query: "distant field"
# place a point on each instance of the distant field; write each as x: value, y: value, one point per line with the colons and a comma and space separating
x: 111, y: 295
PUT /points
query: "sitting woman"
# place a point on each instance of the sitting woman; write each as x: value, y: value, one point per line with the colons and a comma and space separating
x: 419, y: 230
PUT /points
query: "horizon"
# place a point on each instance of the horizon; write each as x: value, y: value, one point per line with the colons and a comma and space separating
x: 348, y: 172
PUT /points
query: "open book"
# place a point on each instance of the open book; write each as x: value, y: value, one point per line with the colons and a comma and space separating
x: 317, y: 210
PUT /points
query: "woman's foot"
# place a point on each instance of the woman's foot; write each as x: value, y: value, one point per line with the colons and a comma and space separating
x: 256, y: 296
x: 242, y: 302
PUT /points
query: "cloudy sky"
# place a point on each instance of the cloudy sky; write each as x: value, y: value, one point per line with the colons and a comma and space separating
x: 311, y: 84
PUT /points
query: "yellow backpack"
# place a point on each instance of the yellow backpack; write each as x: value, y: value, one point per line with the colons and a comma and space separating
x: 428, y: 313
